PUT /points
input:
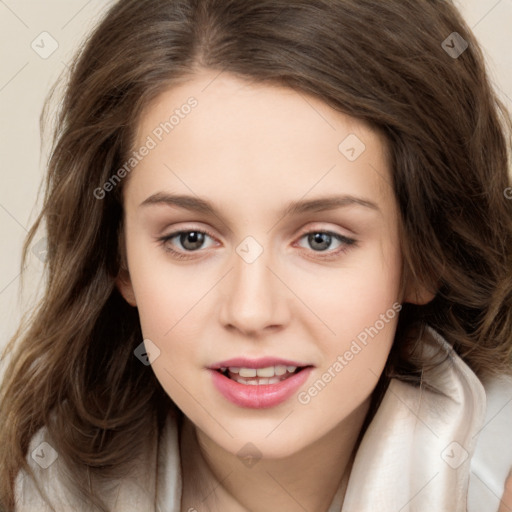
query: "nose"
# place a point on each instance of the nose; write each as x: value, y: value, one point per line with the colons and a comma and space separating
x: 254, y: 298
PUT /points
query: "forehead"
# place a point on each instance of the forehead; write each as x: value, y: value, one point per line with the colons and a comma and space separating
x: 265, y: 137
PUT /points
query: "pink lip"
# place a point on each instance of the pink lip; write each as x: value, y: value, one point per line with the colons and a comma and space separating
x: 264, y: 362
x: 258, y: 396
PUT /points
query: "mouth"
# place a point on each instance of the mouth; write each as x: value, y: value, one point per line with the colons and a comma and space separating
x: 260, y: 376
x: 259, y: 388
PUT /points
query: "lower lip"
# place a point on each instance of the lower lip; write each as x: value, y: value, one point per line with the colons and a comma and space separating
x: 259, y: 396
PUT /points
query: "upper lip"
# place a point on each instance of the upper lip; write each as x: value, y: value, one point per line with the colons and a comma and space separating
x: 264, y: 362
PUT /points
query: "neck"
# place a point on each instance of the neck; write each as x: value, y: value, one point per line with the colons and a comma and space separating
x: 214, y: 479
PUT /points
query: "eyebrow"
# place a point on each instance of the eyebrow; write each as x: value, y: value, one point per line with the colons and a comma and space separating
x: 321, y: 204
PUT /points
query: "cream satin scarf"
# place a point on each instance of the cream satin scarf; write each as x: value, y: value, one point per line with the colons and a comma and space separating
x: 416, y: 454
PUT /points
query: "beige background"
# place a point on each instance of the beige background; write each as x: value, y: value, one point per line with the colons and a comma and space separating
x: 25, y: 78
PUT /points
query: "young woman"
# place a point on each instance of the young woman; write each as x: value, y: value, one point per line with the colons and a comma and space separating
x: 279, y: 268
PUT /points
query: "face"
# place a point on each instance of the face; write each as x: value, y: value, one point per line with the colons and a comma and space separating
x: 285, y: 247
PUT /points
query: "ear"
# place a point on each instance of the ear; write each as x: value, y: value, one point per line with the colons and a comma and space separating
x: 124, y: 285
x: 123, y: 280
x: 417, y: 294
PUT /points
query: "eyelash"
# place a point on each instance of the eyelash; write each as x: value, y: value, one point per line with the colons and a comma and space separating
x: 348, y: 242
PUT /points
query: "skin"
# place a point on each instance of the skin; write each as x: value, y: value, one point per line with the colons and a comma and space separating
x: 506, y: 500
x: 250, y: 149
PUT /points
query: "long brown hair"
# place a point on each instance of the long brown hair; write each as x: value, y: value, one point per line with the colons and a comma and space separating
x: 72, y: 366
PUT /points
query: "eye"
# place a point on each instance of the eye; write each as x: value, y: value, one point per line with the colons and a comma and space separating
x: 321, y: 241
x: 190, y: 241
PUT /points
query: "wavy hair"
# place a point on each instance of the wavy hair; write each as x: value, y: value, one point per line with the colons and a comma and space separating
x: 72, y: 367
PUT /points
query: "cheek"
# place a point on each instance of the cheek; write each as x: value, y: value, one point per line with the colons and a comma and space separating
x: 360, y: 305
x: 169, y: 306
x: 353, y: 296
x: 173, y: 305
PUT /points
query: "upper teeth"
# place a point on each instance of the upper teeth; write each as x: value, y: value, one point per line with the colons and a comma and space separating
x: 269, y: 371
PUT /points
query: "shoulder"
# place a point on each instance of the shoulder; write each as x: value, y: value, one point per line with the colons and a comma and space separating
x: 492, y: 458
x: 49, y: 485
